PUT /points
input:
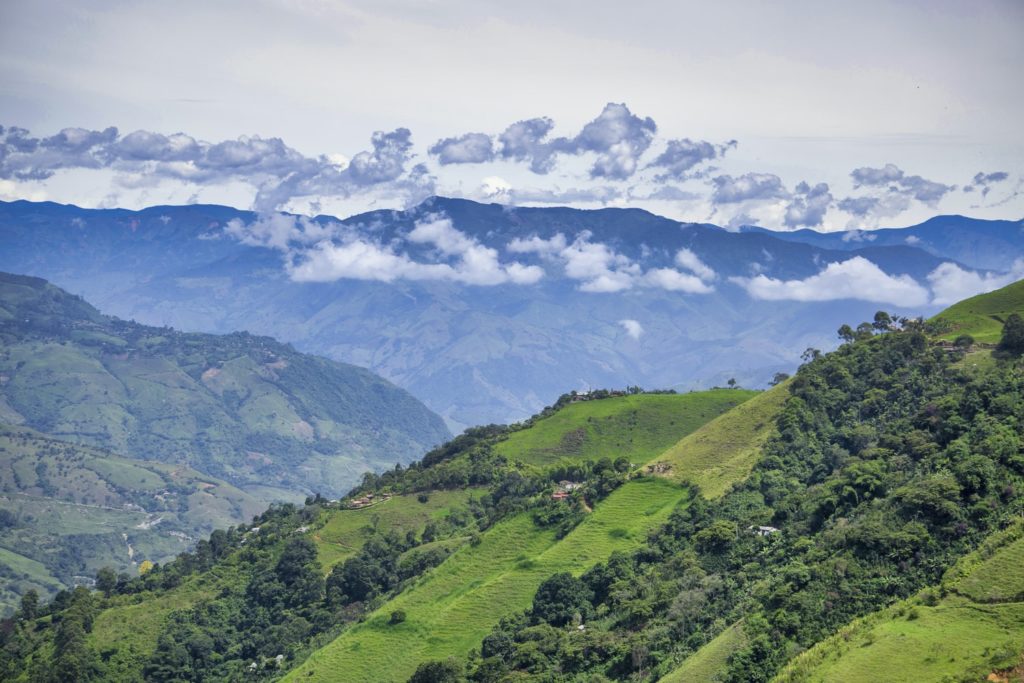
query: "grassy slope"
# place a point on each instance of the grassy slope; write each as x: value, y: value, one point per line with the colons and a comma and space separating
x: 982, y: 316
x: 451, y: 609
x: 725, y: 449
x: 640, y: 426
x: 342, y: 535
x: 958, y: 637
x: 709, y: 663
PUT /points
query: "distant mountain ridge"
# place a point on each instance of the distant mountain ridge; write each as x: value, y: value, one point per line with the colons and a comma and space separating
x: 480, y: 354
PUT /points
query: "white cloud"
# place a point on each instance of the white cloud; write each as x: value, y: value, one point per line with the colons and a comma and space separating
x: 857, y: 278
x: 538, y: 245
x: 691, y: 262
x: 279, y: 231
x: 951, y: 283
x: 632, y: 327
x: 674, y: 281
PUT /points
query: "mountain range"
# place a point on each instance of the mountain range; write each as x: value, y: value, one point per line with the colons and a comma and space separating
x: 601, y: 298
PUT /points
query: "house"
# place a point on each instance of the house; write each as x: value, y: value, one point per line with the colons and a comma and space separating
x: 566, y: 485
x: 763, y: 530
x: 559, y: 495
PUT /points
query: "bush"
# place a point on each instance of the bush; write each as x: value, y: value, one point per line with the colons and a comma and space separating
x: 397, y: 617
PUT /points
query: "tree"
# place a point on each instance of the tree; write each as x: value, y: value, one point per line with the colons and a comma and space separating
x: 1012, y: 341
x: 732, y: 382
x: 779, y: 378
x: 560, y: 598
x: 883, y: 321
x: 106, y: 581
x: 964, y: 341
x: 846, y: 333
x: 397, y: 617
x: 29, y: 605
x: 448, y: 671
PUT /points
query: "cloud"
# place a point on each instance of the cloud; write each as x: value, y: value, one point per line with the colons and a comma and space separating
x: 856, y: 278
x: 894, y: 190
x: 681, y: 156
x: 691, y: 262
x: 279, y: 172
x: 984, y: 181
x: 632, y: 327
x: 316, y: 252
x: 524, y: 141
x: 599, y: 268
x: 618, y: 137
x: 750, y: 186
x: 808, y: 206
x: 471, y: 148
x: 951, y: 283
x: 674, y: 281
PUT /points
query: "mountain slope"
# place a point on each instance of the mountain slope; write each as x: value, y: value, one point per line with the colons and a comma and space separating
x: 245, y: 409
x: 475, y: 354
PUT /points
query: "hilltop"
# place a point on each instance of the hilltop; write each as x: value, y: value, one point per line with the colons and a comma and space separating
x: 982, y: 316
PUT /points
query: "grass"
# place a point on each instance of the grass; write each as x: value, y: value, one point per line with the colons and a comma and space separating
x: 708, y: 664
x: 640, y: 426
x: 343, y: 534
x: 983, y: 316
x: 928, y: 638
x: 451, y: 609
x: 724, y: 450
x: 999, y: 579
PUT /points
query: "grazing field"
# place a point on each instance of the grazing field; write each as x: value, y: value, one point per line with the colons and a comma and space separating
x: 983, y: 316
x: 639, y: 426
x: 977, y: 628
x: 708, y: 664
x: 724, y: 450
x: 345, y: 530
x: 451, y: 609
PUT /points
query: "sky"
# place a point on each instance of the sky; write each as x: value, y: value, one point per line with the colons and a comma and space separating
x: 789, y: 115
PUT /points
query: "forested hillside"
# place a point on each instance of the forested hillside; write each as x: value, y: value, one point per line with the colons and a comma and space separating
x: 862, y: 512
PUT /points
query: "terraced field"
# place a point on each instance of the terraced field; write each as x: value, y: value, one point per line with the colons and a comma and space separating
x: 709, y: 663
x: 640, y: 426
x: 725, y: 449
x: 344, y: 532
x: 927, y: 638
x: 450, y: 610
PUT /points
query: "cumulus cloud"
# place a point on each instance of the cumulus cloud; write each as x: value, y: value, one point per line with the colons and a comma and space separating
x: 280, y: 172
x: 632, y: 327
x: 808, y: 206
x: 674, y: 281
x: 325, y: 252
x: 856, y: 278
x: 951, y: 283
x: 680, y: 157
x: 471, y: 148
x: 525, y: 141
x: 747, y: 187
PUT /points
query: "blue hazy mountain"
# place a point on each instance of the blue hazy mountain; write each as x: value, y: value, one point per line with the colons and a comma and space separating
x: 978, y: 243
x: 481, y: 354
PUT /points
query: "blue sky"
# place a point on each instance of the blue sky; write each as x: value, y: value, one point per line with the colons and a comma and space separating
x: 786, y: 114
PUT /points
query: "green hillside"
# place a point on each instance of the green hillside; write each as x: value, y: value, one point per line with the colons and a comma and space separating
x: 983, y: 316
x: 245, y: 409
x: 452, y: 609
x: 643, y: 425
x: 725, y: 449
x: 964, y: 629
x: 860, y: 521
